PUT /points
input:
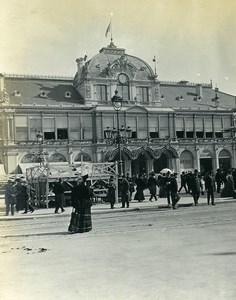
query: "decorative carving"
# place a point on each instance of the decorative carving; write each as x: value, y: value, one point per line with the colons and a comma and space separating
x: 88, y: 91
x: 4, y: 97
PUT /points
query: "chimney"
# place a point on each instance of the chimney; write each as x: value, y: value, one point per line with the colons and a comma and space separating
x: 199, y: 90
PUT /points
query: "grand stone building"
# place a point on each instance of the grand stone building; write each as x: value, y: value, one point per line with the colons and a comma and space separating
x: 178, y: 125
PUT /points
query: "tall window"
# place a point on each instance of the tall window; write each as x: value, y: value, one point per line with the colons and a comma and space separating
x: 35, y: 126
x: 123, y: 91
x: 21, y: 128
x: 101, y: 91
x: 143, y: 94
x: 49, y: 128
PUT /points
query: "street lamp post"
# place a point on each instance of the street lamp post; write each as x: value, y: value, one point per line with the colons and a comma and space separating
x: 39, y: 137
x: 117, y: 103
x: 43, y: 164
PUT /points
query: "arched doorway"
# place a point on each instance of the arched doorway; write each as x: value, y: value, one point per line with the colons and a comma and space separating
x: 140, y: 164
x: 186, y: 161
x: 224, y: 160
x: 160, y: 163
x: 206, y: 161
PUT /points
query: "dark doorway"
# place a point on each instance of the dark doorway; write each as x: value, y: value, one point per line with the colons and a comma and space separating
x: 160, y: 163
x: 205, y: 165
x: 139, y: 165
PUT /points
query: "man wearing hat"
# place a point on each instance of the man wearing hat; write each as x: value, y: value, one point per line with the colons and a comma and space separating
x: 59, y: 190
x: 10, y: 197
x: 124, y: 192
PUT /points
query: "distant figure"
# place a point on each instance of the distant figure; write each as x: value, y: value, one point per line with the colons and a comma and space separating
x: 152, y: 185
x: 161, y: 180
x: 22, y: 197
x: 228, y: 190
x: 210, y: 187
x: 196, y: 186
x: 218, y: 180
x: 81, y: 202
x: 111, y: 193
x: 124, y: 192
x: 59, y: 190
x: 168, y: 192
x: 10, y: 197
x: 140, y: 187
x: 173, y: 188
x: 183, y: 182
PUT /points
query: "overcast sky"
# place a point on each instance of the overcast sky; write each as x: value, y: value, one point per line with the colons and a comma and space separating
x: 194, y: 40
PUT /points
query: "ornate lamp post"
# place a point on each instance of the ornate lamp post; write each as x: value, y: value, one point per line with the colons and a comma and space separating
x: 39, y: 137
x: 117, y: 103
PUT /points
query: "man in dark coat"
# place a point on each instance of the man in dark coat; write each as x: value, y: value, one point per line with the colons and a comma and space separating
x: 124, y: 192
x: 183, y: 182
x: 196, y: 186
x: 210, y: 187
x: 173, y: 188
x: 152, y: 185
x: 22, y: 197
x: 10, y: 197
x: 59, y: 190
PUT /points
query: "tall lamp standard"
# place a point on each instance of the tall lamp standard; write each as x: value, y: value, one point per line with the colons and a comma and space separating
x: 117, y: 103
x: 39, y: 137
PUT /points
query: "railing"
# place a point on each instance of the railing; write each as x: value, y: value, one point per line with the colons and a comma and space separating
x: 125, y: 141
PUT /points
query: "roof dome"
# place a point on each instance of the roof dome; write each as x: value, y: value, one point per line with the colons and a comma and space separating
x: 111, y: 61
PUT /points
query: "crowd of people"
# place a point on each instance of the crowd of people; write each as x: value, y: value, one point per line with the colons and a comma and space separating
x: 18, y: 195
x: 165, y: 185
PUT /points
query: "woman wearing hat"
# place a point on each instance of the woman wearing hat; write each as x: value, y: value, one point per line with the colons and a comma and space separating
x: 81, y: 202
x: 111, y: 196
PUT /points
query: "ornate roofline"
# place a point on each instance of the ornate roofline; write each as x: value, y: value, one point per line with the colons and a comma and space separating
x: 30, y: 76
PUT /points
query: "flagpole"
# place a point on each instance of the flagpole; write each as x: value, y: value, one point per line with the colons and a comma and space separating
x: 111, y: 27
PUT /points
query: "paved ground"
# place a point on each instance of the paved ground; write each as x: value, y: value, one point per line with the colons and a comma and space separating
x: 145, y: 252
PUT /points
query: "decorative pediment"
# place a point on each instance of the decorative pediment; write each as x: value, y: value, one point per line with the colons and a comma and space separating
x: 121, y: 64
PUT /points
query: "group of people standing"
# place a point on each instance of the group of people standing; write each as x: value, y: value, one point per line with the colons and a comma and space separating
x: 17, y: 197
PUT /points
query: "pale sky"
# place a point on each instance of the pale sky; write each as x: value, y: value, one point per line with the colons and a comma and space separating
x: 193, y: 40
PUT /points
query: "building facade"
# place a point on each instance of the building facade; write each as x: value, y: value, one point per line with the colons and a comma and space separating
x: 178, y: 125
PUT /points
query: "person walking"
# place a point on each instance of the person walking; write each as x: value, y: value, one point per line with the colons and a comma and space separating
x: 210, y: 187
x: 173, y: 188
x: 22, y: 196
x: 183, y: 182
x: 168, y: 193
x: 111, y: 192
x: 140, y: 187
x: 81, y: 202
x: 218, y: 180
x: 152, y: 185
x: 196, y: 186
x: 59, y: 190
x: 124, y: 192
x: 10, y: 197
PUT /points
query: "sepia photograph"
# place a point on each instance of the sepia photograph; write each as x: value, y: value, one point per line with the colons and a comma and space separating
x: 117, y: 150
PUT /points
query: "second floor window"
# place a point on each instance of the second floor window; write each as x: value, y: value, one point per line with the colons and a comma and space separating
x: 143, y: 94
x: 101, y: 92
x: 123, y: 91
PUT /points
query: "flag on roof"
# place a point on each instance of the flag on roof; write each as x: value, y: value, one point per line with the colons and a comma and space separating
x: 108, y: 29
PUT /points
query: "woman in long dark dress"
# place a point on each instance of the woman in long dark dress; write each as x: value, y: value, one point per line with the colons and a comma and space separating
x: 140, y: 183
x: 81, y: 202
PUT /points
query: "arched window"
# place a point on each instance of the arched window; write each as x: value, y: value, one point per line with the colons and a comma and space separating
x: 57, y: 157
x: 30, y: 158
x: 186, y: 160
x: 82, y: 157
